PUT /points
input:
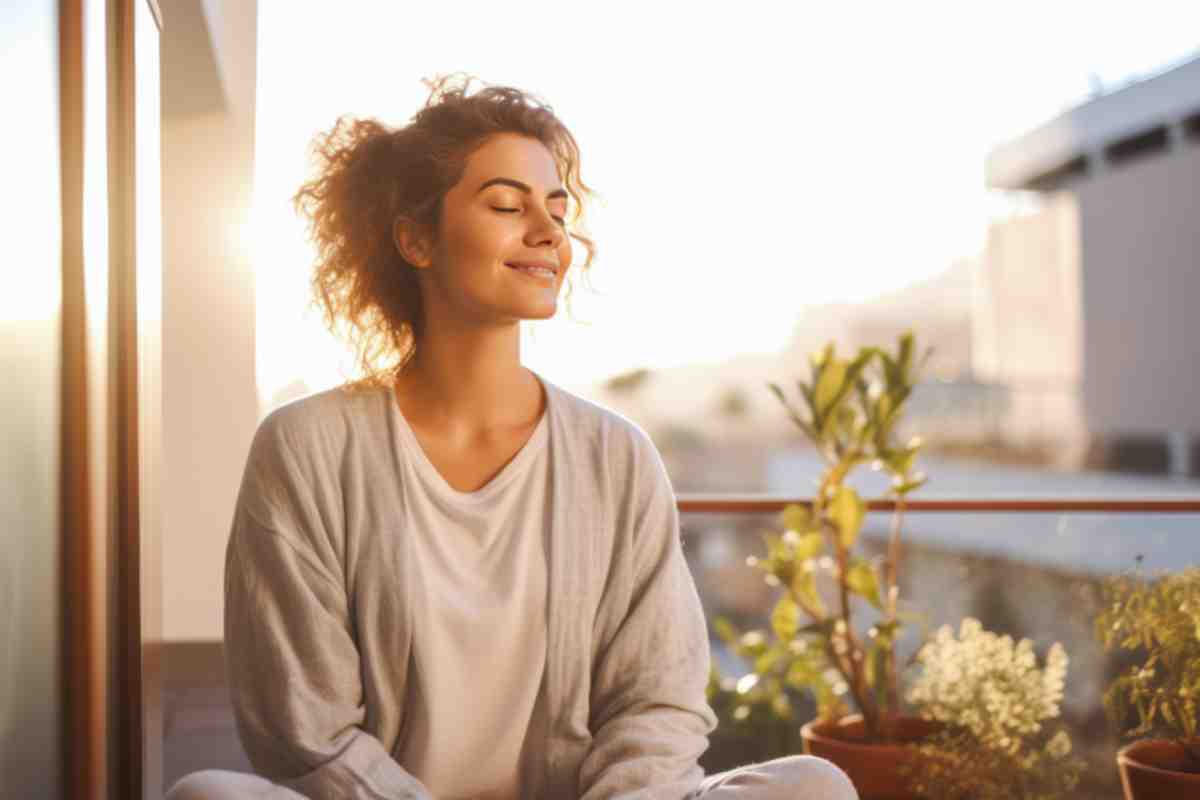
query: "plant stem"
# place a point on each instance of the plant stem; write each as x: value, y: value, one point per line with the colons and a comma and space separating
x: 845, y: 671
x: 854, y: 650
x: 893, y: 592
x: 851, y: 667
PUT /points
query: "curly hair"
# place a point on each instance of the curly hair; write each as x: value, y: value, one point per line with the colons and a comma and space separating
x: 369, y: 174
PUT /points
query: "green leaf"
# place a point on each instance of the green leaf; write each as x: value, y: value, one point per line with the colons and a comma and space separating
x: 807, y: 393
x: 819, y: 358
x: 848, y: 511
x: 725, y: 630
x: 796, y: 517
x: 901, y: 487
x: 778, y: 392
x: 891, y: 370
x: 822, y: 629
x: 901, y: 461
x: 846, y: 417
x: 861, y: 580
x: 810, y: 545
x: 785, y: 619
x: 767, y: 661
x: 905, y: 355
x: 884, y: 410
x: 795, y: 417
x: 845, y: 420
x: 805, y: 587
x: 802, y: 674
x: 829, y: 385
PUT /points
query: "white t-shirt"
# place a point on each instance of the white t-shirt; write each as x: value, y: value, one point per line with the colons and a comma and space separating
x: 479, y: 638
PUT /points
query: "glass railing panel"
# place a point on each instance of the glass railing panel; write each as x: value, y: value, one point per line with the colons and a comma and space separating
x: 1035, y: 575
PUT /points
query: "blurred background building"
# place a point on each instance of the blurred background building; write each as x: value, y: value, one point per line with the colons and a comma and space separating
x: 1089, y: 302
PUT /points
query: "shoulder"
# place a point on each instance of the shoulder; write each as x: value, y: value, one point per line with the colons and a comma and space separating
x: 615, y: 444
x: 319, y: 425
x: 614, y: 435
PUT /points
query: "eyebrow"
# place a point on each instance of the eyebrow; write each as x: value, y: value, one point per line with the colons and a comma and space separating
x: 524, y: 187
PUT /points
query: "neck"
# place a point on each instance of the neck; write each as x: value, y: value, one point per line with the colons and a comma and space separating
x: 467, y: 383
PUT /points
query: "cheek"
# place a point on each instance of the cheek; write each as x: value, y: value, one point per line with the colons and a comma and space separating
x: 481, y: 240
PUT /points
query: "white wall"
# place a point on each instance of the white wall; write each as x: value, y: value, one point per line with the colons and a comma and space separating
x: 1028, y: 322
x: 210, y: 405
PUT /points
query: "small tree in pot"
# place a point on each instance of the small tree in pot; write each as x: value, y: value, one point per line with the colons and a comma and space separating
x: 1159, y: 620
x: 836, y: 623
x: 840, y: 644
x: 851, y: 411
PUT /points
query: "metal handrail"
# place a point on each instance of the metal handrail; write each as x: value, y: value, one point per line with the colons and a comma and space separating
x: 750, y: 503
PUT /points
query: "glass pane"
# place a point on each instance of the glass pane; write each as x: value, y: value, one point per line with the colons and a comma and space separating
x: 148, y: 246
x: 1026, y: 575
x: 30, y: 674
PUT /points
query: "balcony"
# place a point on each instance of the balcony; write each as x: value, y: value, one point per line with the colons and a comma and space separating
x: 1025, y: 567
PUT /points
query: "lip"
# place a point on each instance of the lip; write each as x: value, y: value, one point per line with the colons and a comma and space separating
x: 543, y: 264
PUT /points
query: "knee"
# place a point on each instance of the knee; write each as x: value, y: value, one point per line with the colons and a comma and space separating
x: 208, y: 784
x: 813, y: 777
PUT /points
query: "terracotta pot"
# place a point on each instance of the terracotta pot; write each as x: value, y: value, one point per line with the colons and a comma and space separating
x: 1152, y: 769
x: 874, y: 769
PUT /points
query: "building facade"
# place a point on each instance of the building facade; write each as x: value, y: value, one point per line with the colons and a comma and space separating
x: 1088, y: 304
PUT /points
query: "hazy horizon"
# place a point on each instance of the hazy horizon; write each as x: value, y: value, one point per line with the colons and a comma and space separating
x: 822, y: 159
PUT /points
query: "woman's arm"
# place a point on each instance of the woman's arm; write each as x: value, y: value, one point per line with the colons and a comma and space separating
x: 650, y: 719
x: 291, y: 658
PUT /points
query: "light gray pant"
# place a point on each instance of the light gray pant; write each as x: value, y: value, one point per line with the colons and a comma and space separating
x: 789, y: 778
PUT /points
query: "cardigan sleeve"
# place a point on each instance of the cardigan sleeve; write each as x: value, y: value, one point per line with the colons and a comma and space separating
x: 649, y: 716
x: 290, y: 651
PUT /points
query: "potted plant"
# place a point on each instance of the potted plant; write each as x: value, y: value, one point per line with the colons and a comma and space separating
x: 1158, y: 621
x: 996, y: 707
x: 843, y: 651
x: 835, y: 626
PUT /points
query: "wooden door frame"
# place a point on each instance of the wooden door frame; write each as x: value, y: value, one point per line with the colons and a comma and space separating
x: 103, y: 687
x: 83, y: 654
x: 128, y: 707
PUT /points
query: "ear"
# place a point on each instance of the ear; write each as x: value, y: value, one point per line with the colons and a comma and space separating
x: 412, y: 242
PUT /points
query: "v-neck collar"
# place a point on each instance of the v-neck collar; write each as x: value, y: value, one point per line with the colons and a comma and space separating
x: 420, y: 461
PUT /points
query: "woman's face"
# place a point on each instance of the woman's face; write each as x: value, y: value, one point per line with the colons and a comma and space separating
x: 507, y: 210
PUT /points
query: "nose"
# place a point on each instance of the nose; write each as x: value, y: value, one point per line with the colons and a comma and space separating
x: 545, y: 232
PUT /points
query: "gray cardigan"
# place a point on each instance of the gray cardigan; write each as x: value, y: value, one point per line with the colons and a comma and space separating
x: 318, y: 621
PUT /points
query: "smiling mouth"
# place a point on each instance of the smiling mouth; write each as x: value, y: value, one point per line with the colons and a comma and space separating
x: 535, y: 272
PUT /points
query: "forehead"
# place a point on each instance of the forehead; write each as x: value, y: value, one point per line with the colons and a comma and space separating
x: 509, y: 155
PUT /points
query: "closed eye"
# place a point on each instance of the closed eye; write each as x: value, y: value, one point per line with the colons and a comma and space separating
x: 560, y: 220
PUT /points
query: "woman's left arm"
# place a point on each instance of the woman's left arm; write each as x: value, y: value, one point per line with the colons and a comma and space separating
x: 649, y: 716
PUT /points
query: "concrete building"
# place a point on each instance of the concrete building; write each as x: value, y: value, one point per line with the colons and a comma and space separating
x: 1088, y: 304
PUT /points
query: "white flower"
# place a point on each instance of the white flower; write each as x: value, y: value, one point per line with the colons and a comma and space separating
x: 989, y: 684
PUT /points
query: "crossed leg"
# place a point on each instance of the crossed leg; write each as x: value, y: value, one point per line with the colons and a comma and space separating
x: 220, y: 784
x: 788, y: 778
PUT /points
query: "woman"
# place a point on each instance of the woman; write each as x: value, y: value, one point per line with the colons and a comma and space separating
x: 455, y: 579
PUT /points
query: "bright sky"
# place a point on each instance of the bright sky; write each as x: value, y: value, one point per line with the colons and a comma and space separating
x: 750, y: 163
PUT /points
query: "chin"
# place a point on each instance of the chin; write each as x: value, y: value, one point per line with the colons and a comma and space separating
x: 542, y: 313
